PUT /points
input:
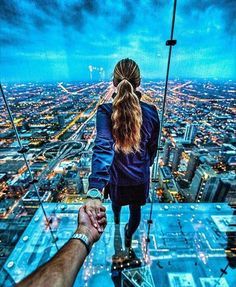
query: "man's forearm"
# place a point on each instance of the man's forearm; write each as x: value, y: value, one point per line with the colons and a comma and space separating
x: 61, y: 270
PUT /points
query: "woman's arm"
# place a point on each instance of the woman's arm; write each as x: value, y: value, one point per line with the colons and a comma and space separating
x: 103, y: 152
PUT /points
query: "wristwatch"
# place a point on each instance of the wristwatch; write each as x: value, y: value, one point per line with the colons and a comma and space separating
x: 84, y: 239
x: 94, y: 193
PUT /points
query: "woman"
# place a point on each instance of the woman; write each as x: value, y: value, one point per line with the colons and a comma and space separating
x: 124, y: 150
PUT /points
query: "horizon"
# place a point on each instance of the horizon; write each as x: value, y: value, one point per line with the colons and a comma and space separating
x: 213, y: 79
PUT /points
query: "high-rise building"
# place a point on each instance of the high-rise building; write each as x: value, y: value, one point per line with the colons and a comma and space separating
x: 192, y: 165
x: 231, y: 194
x: 222, y: 190
x: 73, y: 182
x: 167, y: 150
x: 177, y: 157
x: 190, y: 133
x: 203, y: 174
x: 61, y: 120
x: 209, y: 191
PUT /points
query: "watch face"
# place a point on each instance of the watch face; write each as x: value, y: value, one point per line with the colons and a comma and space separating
x: 94, y: 193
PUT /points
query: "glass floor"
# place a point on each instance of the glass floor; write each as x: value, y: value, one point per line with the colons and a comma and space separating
x: 190, y: 245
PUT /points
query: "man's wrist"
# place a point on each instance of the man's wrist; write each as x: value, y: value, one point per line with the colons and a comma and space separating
x: 83, y: 235
x: 85, y: 230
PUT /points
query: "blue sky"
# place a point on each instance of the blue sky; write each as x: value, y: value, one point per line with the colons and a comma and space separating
x: 44, y: 40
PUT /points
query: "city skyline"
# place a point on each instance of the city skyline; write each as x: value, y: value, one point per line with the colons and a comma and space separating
x: 55, y: 41
x: 56, y: 124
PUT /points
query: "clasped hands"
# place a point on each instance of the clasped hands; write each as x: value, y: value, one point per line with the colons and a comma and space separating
x: 97, y: 213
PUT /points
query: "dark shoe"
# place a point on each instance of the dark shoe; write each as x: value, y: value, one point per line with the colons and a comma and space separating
x: 128, y: 240
x: 117, y: 219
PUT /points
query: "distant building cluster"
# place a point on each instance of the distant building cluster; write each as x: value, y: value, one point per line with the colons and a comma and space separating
x: 199, y: 146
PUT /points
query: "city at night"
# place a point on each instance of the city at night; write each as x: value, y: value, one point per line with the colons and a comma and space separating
x: 83, y: 133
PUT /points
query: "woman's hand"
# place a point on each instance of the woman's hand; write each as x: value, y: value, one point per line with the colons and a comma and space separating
x: 96, y: 212
x: 86, y: 227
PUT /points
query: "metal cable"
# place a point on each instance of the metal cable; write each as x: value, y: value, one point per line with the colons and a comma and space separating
x: 27, y: 165
x: 170, y: 44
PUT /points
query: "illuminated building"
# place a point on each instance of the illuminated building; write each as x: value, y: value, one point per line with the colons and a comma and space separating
x: 167, y: 151
x: 31, y: 200
x: 190, y: 133
x: 165, y: 174
x: 222, y: 190
x: 192, y: 165
x: 231, y: 194
x: 73, y: 181
x: 209, y: 190
x: 177, y: 157
x: 61, y: 120
x: 85, y: 183
x: 204, y: 177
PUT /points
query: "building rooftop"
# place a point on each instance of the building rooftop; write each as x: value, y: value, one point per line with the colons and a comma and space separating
x: 188, y: 247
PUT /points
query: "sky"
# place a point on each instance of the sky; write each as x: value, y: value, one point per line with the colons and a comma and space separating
x: 52, y: 40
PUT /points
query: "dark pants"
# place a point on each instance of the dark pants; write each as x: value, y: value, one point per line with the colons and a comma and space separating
x: 134, y: 219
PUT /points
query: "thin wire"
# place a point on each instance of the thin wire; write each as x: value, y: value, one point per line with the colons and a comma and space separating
x: 161, y: 122
x: 27, y: 164
x: 222, y: 274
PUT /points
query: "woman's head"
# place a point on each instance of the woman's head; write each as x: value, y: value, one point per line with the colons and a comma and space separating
x: 127, y: 69
x: 127, y: 113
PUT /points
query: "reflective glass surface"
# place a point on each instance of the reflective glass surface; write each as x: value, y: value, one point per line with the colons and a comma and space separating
x: 190, y: 245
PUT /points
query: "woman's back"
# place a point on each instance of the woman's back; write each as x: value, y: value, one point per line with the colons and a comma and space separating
x: 124, y: 148
x: 132, y: 168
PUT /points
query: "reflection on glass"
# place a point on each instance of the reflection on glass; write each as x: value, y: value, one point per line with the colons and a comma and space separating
x: 189, y: 242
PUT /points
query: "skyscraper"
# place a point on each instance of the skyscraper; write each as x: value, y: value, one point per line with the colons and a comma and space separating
x: 167, y: 150
x: 192, y: 165
x: 209, y: 191
x: 204, y: 177
x: 61, y: 120
x: 222, y: 190
x: 190, y: 133
x: 177, y: 157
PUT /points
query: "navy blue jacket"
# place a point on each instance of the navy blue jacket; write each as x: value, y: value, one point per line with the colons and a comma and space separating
x: 116, y: 167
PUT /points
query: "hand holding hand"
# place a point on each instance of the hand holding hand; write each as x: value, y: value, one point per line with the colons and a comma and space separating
x: 86, y: 227
x: 96, y: 212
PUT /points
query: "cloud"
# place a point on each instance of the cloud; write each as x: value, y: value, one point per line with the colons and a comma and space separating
x: 49, y: 7
x: 10, y: 12
x: 9, y: 41
x: 195, y: 8
x: 81, y: 32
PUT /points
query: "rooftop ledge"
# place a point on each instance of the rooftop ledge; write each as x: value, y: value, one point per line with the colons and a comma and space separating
x: 191, y: 245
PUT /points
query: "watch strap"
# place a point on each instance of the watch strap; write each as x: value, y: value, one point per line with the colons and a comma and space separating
x: 84, y: 239
x: 90, y: 194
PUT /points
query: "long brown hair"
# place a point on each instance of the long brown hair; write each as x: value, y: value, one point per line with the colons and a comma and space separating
x: 127, y: 114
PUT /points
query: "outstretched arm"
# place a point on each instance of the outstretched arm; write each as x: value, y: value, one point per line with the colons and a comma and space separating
x: 63, y: 268
x: 103, y: 154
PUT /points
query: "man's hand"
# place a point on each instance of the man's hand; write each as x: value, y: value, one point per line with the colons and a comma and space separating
x: 86, y: 227
x: 95, y: 211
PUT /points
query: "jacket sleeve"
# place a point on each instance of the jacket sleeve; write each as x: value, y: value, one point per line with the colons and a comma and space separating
x: 103, y: 152
x: 153, y: 141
